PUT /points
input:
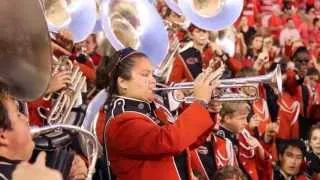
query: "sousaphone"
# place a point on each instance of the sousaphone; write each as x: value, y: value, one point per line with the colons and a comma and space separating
x: 212, y: 15
x: 135, y: 24
x: 77, y: 16
x: 25, y: 59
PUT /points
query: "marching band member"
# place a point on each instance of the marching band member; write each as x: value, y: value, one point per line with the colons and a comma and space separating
x: 192, y: 60
x: 16, y: 144
x: 313, y: 156
x: 313, y: 85
x: 249, y: 152
x: 141, y: 141
x: 232, y: 145
x: 294, y: 102
x: 291, y: 155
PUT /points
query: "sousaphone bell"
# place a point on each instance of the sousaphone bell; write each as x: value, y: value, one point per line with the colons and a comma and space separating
x: 77, y: 16
x: 135, y: 24
x: 211, y: 15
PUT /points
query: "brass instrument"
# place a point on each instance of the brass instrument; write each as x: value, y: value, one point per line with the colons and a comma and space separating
x: 89, y: 141
x: 77, y: 16
x: 124, y: 24
x: 224, y: 92
x: 25, y: 64
x: 164, y: 68
x: 211, y: 15
x: 66, y: 98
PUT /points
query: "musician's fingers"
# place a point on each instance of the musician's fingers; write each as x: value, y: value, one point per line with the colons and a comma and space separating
x: 215, y: 83
x: 214, y: 76
x: 63, y: 72
x: 200, y: 78
x: 212, y: 63
x: 66, y: 80
x: 41, y: 159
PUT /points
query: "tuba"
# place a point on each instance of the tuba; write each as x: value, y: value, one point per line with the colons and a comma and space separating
x: 88, y: 141
x: 25, y: 56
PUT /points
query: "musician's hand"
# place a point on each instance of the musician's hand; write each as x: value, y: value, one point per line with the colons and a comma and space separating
x: 263, y: 58
x: 206, y: 82
x: 272, y: 129
x: 36, y: 171
x: 58, y: 81
x: 254, y: 121
x: 79, y: 169
x: 254, y: 143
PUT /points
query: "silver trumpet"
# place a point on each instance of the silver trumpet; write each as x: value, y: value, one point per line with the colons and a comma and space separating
x: 224, y: 90
x: 87, y: 140
x: 68, y: 97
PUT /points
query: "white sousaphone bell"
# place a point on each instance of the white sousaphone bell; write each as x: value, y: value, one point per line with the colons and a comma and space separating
x: 77, y: 16
x: 135, y: 24
x: 211, y: 15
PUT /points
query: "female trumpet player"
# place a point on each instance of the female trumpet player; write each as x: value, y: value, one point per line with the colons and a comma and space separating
x: 141, y: 141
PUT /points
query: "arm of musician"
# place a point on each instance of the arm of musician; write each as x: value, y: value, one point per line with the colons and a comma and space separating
x: 56, y: 47
x: 78, y: 169
x: 263, y: 58
x: 241, y: 47
x: 36, y: 171
x: 134, y: 135
x: 213, y: 108
x: 268, y: 140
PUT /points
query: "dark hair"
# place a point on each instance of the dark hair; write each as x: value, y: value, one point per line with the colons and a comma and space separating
x: 256, y: 35
x: 228, y: 172
x: 193, y: 27
x: 315, y: 20
x: 5, y: 122
x: 312, y: 71
x: 285, y: 144
x: 301, y: 54
x: 120, y: 64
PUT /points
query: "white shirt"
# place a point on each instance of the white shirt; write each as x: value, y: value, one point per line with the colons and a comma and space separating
x: 287, y: 34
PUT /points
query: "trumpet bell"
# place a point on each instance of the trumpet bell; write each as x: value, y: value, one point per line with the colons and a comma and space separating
x: 135, y: 24
x: 25, y: 58
x: 211, y: 15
